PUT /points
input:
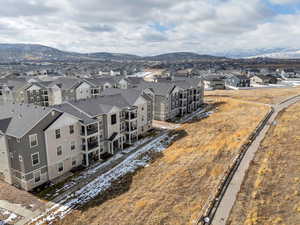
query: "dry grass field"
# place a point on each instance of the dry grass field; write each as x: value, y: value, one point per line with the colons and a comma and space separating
x: 270, y: 194
x: 174, y: 188
x: 266, y: 95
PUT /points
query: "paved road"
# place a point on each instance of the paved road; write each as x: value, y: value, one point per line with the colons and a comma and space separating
x: 228, y: 199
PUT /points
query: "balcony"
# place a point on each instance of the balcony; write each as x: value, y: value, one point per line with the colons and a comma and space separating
x: 89, y: 130
x: 130, y: 115
x: 90, y: 146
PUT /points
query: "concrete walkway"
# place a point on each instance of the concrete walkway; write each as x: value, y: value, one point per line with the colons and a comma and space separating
x: 18, y: 209
x: 229, y: 198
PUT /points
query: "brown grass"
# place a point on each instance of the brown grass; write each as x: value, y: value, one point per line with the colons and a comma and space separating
x: 175, y: 187
x: 270, y: 193
x: 267, y: 95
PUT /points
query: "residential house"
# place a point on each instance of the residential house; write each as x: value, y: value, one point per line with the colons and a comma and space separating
x: 237, y: 81
x: 214, y: 82
x: 263, y: 79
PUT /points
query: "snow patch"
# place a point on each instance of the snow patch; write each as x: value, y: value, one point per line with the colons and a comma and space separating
x: 103, y: 182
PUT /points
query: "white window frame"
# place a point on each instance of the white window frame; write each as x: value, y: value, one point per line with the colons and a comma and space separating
x: 73, y: 129
x: 73, y: 143
x: 38, y: 154
x: 62, y: 167
x: 34, y: 176
x: 37, y: 141
x: 59, y: 131
x: 57, y: 150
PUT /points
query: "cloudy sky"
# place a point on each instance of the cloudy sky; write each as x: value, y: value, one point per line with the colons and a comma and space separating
x: 148, y: 27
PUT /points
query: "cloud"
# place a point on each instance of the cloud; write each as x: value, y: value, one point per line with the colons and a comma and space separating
x: 283, y: 2
x: 148, y: 27
x: 98, y: 28
x: 16, y: 8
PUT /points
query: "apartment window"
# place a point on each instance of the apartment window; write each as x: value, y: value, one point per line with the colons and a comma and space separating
x: 60, y: 167
x: 74, y: 162
x: 33, y: 140
x: 59, y: 151
x: 71, y: 128
x: 11, y: 154
x: 20, y: 158
x: 142, y: 108
x: 57, y: 133
x: 73, y: 145
x: 113, y: 119
x: 35, y: 158
x: 37, y: 176
x: 18, y: 140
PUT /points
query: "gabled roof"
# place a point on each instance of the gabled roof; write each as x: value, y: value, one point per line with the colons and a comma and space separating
x: 163, y: 89
x: 66, y: 83
x: 130, y: 95
x: 76, y: 112
x: 18, y: 119
x: 99, y: 81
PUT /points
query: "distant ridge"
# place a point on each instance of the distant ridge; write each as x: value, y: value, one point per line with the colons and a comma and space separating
x: 23, y: 52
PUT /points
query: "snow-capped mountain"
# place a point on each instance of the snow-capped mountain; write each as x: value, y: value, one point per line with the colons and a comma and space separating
x: 276, y: 53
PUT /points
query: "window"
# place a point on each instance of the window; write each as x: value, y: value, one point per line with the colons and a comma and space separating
x: 57, y: 133
x: 73, y: 145
x: 35, y: 158
x: 33, y: 140
x: 37, y: 176
x: 59, y: 151
x: 20, y: 158
x: 113, y: 119
x: 71, y: 128
x: 11, y: 154
x: 60, y: 167
x: 74, y: 162
x: 18, y: 140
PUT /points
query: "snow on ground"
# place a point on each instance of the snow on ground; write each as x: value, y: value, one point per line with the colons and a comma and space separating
x: 103, y: 182
x: 10, y: 217
x: 99, y: 166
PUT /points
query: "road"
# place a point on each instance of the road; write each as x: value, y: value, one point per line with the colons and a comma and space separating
x: 227, y: 202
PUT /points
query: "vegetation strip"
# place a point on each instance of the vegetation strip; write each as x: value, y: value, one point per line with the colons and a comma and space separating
x: 212, y: 208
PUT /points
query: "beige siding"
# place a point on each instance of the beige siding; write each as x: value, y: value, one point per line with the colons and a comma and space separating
x: 5, y: 173
x: 65, y: 142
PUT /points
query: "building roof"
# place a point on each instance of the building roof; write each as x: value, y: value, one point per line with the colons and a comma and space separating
x: 76, y: 112
x: 67, y: 83
x: 17, y: 119
x: 162, y: 88
x: 99, y: 81
x: 130, y: 95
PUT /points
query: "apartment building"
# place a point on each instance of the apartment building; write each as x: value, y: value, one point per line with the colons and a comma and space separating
x: 175, y: 98
x: 22, y: 127
x: 109, y: 123
x: 43, y: 94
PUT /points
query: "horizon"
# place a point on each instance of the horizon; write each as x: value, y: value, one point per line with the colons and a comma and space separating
x: 146, y: 28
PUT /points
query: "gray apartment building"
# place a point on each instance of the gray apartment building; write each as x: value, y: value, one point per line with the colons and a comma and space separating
x: 175, y: 98
x: 23, y: 149
x: 110, y: 122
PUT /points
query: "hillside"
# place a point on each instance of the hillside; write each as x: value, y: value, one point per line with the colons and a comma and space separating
x: 178, y: 56
x: 23, y: 52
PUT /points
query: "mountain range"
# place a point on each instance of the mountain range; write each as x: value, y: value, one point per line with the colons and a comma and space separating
x: 22, y: 52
